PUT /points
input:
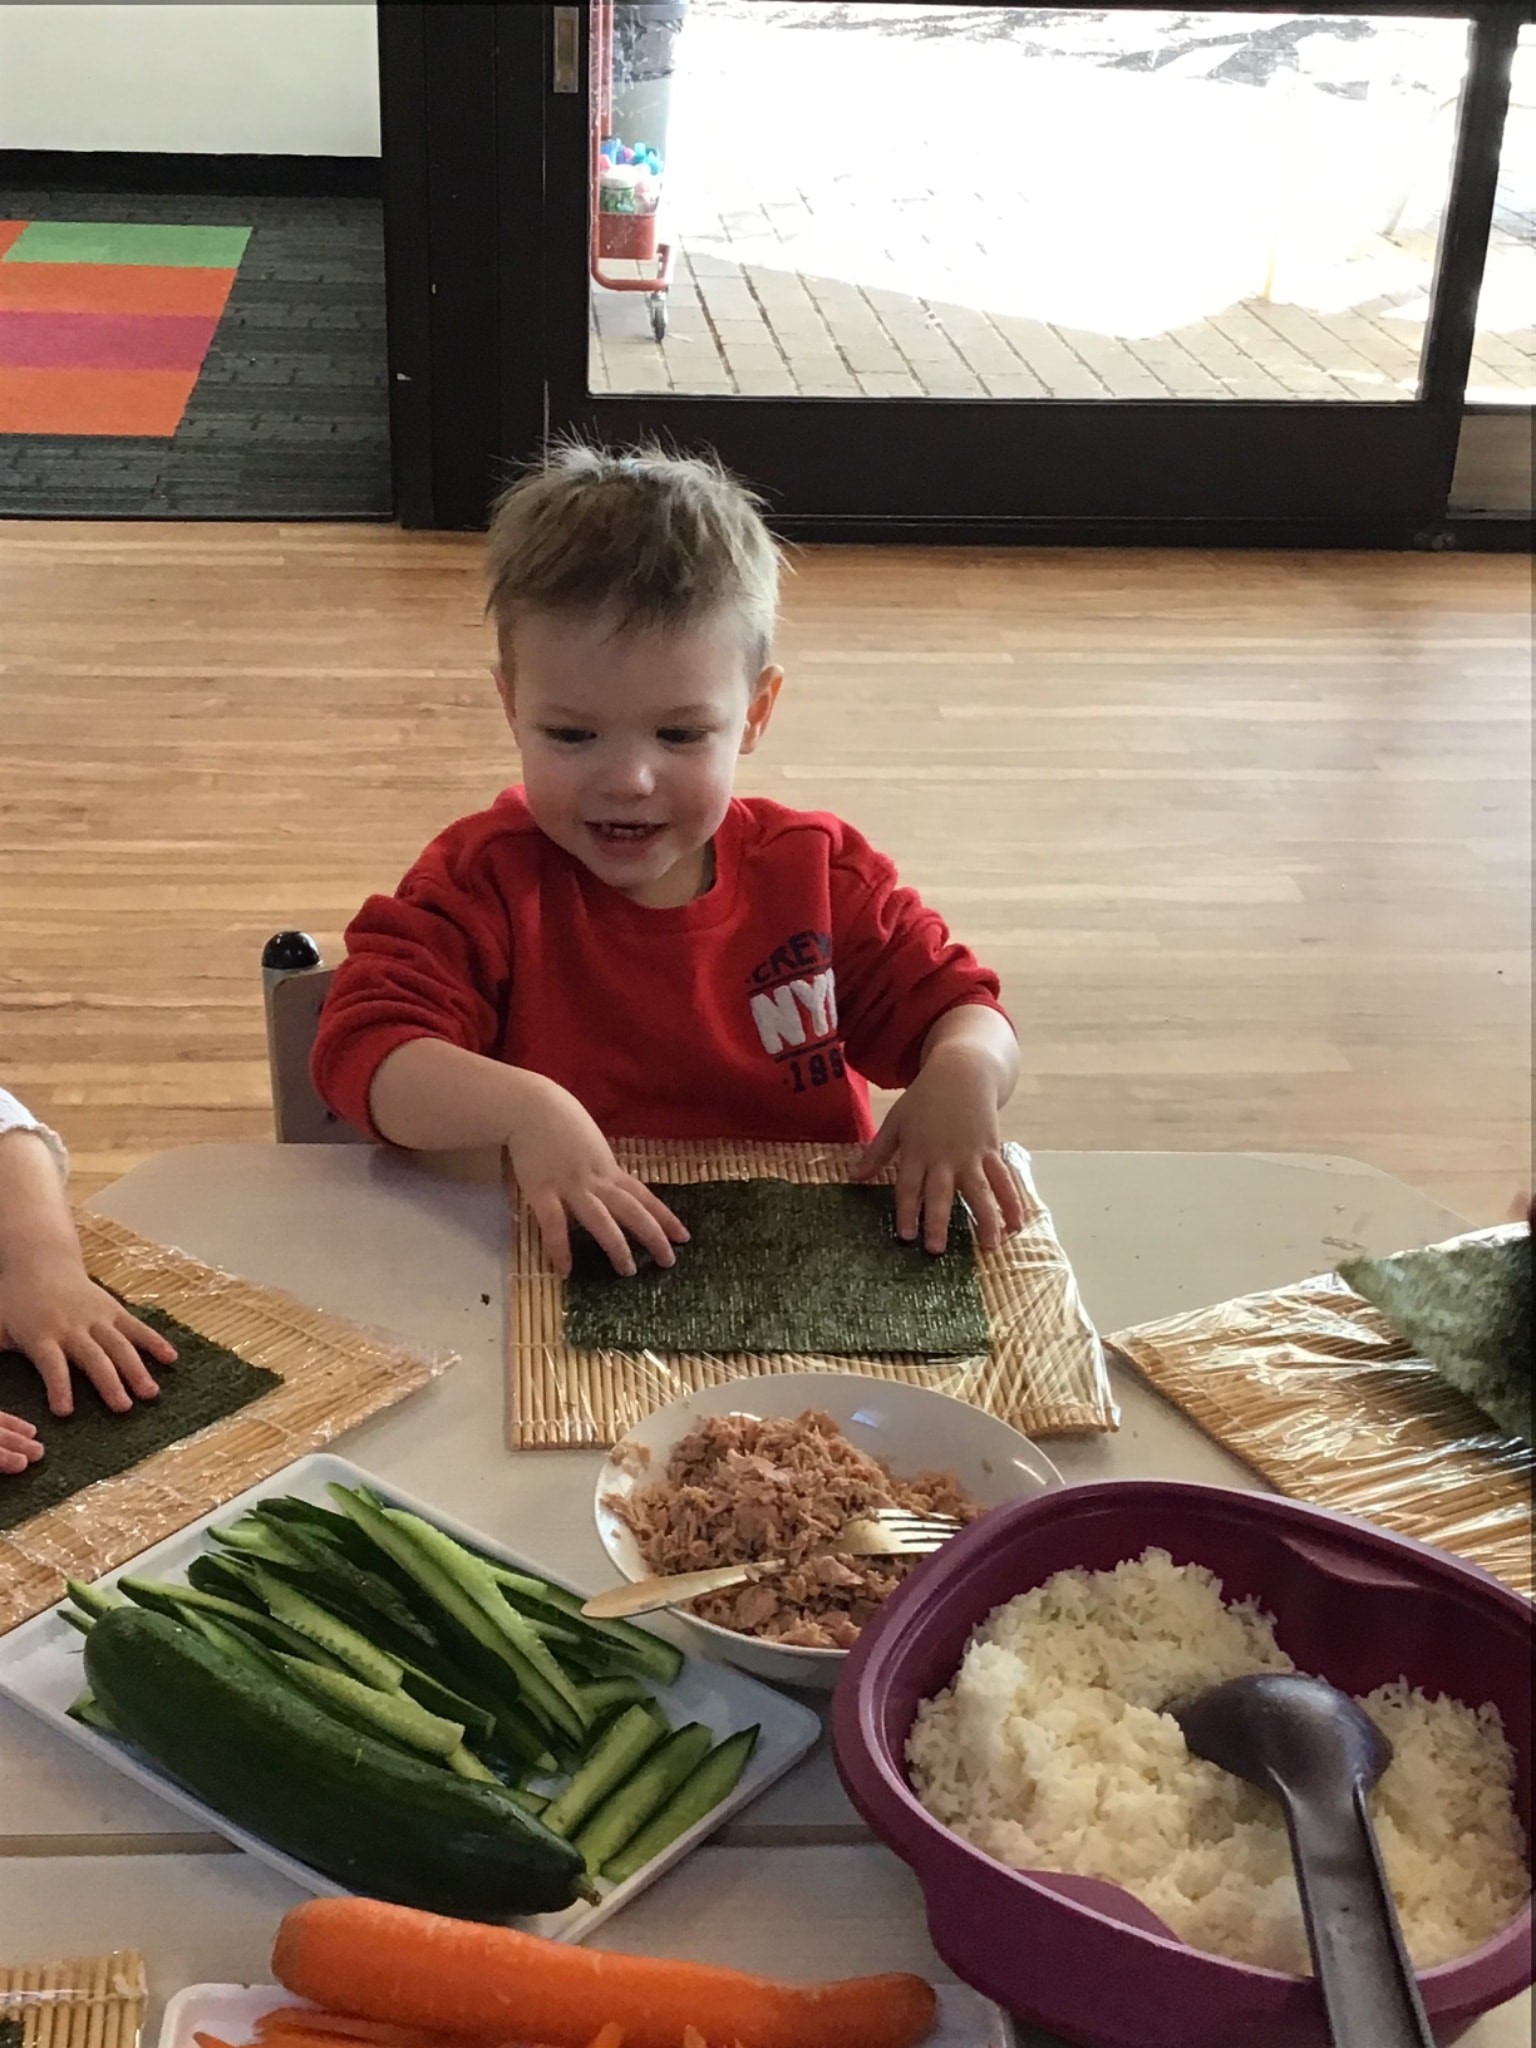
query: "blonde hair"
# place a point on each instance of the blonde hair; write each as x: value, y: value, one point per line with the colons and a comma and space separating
x: 652, y: 538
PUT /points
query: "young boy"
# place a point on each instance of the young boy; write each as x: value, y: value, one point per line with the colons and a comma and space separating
x: 620, y: 947
x: 50, y: 1308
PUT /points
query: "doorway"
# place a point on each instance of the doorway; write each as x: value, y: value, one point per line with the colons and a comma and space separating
x: 1220, y: 286
x: 1082, y: 273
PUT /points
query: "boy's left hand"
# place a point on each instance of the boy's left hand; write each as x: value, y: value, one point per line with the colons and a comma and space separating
x: 945, y: 1139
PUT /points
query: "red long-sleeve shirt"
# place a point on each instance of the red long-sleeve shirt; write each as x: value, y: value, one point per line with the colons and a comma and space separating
x: 762, y: 1009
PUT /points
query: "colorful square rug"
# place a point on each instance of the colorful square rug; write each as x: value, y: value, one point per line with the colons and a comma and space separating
x: 104, y: 325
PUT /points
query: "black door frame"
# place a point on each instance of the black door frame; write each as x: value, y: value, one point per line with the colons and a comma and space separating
x: 486, y: 233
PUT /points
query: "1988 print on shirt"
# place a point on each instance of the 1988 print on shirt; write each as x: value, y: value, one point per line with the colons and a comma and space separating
x: 794, y: 1006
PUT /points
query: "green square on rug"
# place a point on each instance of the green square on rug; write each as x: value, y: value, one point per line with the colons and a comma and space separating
x: 163, y: 244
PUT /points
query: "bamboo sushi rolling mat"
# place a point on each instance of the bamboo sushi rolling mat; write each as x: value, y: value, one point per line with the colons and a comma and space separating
x: 1313, y: 1388
x: 79, y: 2002
x: 333, y: 1376
x: 1044, y: 1371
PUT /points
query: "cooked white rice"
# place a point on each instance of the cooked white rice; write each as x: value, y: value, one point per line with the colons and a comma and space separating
x: 1050, y: 1752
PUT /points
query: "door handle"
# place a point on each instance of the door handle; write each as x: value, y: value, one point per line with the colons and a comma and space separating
x: 565, y: 68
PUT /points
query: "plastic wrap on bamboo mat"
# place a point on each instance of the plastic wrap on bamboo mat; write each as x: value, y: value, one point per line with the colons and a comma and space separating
x: 1313, y: 1388
x: 331, y: 1375
x: 1043, y: 1369
x: 78, y: 2002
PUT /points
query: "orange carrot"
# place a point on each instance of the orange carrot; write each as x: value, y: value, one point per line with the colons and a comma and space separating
x: 462, y: 1977
x: 305, y: 2019
x: 305, y: 2026
x: 285, y: 2023
x: 392, y: 2037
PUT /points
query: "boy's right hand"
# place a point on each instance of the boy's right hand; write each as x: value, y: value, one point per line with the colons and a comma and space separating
x: 567, y: 1172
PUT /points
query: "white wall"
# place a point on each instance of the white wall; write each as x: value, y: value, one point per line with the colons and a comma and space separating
x: 291, y: 78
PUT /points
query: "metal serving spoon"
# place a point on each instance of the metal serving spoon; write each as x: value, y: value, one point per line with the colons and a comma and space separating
x: 1320, y: 1754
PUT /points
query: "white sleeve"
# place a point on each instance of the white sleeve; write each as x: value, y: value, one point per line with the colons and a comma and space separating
x: 15, y: 1116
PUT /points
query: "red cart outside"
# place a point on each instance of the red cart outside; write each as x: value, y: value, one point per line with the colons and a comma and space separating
x: 620, y: 237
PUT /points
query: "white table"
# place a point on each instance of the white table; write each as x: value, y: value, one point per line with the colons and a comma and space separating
x: 796, y: 1886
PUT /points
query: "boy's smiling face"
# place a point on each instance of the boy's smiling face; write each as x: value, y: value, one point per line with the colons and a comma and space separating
x: 630, y: 739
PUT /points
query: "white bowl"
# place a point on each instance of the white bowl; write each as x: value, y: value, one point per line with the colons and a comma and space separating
x: 910, y: 1429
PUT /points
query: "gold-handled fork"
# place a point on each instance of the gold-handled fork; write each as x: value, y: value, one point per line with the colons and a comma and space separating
x: 885, y: 1532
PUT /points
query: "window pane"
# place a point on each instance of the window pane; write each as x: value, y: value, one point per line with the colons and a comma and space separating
x: 1504, y: 351
x: 1077, y: 203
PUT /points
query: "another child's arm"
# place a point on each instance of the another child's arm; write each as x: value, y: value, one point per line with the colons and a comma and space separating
x: 50, y: 1308
x: 19, y: 1444
x: 944, y: 1133
x: 428, y: 1095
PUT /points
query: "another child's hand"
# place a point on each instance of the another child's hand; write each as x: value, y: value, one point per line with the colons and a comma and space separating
x: 945, y: 1139
x: 568, y: 1174
x: 19, y: 1446
x: 55, y: 1313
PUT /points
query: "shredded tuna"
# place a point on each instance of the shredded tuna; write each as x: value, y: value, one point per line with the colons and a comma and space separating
x: 739, y: 1489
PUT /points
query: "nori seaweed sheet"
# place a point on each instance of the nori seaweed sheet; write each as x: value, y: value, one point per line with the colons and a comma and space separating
x: 1466, y: 1308
x: 11, y: 2033
x: 206, y: 1383
x: 774, y: 1266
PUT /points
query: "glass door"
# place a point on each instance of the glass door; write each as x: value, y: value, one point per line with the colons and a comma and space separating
x: 944, y: 269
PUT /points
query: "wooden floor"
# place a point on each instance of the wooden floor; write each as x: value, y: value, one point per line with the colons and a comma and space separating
x: 1247, y: 835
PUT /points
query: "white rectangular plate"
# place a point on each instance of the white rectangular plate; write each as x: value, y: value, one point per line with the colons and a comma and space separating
x: 966, y: 2019
x: 41, y: 1668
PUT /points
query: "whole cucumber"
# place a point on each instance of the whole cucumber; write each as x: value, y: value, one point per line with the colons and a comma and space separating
x: 353, y: 1808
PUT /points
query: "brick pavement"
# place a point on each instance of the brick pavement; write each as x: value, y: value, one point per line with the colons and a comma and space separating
x: 742, y: 326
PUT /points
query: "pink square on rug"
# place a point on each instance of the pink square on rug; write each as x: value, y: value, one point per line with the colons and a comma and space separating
x: 104, y: 341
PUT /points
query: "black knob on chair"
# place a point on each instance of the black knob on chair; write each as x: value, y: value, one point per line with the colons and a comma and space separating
x: 289, y: 953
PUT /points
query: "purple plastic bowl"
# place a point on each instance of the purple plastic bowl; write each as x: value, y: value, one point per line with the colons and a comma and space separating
x: 1085, y: 1959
